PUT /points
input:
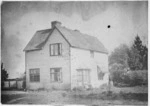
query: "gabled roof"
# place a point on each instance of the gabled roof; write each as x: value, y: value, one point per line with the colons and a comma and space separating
x: 38, y: 40
x: 73, y: 37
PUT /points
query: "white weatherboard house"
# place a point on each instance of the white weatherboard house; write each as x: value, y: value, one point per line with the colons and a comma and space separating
x: 62, y: 58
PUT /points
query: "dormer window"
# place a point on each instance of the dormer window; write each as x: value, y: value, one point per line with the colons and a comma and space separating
x: 55, y: 49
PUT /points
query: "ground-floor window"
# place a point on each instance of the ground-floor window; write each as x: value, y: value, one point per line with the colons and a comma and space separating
x: 83, y: 76
x: 100, y: 74
x: 34, y: 75
x: 55, y: 75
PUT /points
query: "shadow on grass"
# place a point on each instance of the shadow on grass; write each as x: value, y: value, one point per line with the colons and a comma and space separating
x: 6, y: 98
x: 135, y: 96
x: 115, y: 96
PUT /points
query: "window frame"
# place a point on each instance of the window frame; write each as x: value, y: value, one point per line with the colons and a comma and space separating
x: 99, y: 71
x: 83, y: 76
x: 33, y: 76
x: 59, y: 49
x: 92, y: 53
x: 60, y: 75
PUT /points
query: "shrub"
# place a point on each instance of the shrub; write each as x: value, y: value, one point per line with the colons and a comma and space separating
x: 78, y: 89
x: 117, y: 76
x: 138, y: 78
x: 64, y: 94
x: 130, y: 78
x: 40, y: 89
x: 54, y: 88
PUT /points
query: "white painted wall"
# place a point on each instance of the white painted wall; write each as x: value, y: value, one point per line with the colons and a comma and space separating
x: 42, y: 59
x: 81, y: 59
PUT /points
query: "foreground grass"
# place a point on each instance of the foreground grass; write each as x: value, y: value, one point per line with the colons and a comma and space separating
x: 5, y: 98
x: 91, y: 97
x: 143, y: 97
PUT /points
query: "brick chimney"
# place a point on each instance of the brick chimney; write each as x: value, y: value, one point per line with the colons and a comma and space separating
x: 55, y: 23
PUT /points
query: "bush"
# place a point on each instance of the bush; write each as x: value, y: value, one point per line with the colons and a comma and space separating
x: 117, y: 76
x: 41, y: 89
x: 64, y: 94
x: 78, y: 89
x: 138, y: 78
x: 130, y: 78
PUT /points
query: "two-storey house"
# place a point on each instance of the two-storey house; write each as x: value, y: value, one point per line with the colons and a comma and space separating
x: 62, y: 58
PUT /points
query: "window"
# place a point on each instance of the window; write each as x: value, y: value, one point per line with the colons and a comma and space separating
x: 100, y: 73
x: 55, y: 49
x: 35, y: 75
x: 55, y: 75
x: 92, y: 53
x: 83, y: 76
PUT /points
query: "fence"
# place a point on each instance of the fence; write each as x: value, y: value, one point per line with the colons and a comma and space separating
x: 13, y: 84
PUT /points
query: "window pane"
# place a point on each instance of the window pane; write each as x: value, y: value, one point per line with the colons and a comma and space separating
x: 80, y: 75
x: 55, y: 77
x: 52, y: 70
x: 79, y: 72
x: 100, y: 73
x: 83, y: 76
x: 92, y: 53
x: 55, y: 74
x: 52, y: 77
x: 86, y: 76
x: 59, y: 49
x: 79, y: 78
x: 36, y: 71
x: 56, y: 49
x: 34, y: 75
x: 57, y: 70
x: 52, y: 49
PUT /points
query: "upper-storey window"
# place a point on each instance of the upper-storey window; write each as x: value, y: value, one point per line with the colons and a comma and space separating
x: 92, y: 54
x: 55, y: 49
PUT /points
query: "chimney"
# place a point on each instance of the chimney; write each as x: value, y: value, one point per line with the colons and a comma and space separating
x: 55, y: 23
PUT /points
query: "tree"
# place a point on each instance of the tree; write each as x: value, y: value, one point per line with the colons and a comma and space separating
x: 124, y: 58
x: 145, y: 58
x: 134, y: 59
x: 120, y: 56
x: 4, y: 75
x: 138, y: 44
x: 138, y: 55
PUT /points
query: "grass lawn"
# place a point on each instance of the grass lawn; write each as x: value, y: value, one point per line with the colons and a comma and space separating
x: 89, y: 97
x: 5, y: 97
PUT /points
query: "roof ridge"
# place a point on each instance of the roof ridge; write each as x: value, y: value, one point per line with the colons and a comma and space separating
x: 44, y: 30
x: 77, y: 31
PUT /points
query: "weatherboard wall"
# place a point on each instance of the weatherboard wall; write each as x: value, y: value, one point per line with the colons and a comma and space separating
x: 81, y: 59
x: 42, y: 59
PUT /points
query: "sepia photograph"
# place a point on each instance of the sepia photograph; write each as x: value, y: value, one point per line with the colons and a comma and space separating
x: 90, y: 53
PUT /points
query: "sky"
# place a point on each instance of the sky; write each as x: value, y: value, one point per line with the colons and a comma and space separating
x: 20, y: 20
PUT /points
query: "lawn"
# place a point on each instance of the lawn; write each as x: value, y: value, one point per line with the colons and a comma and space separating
x: 89, y: 97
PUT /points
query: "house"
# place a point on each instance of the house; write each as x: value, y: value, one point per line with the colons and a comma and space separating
x: 62, y: 58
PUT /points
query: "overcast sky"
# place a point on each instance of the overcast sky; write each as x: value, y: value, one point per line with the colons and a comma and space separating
x: 20, y: 20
